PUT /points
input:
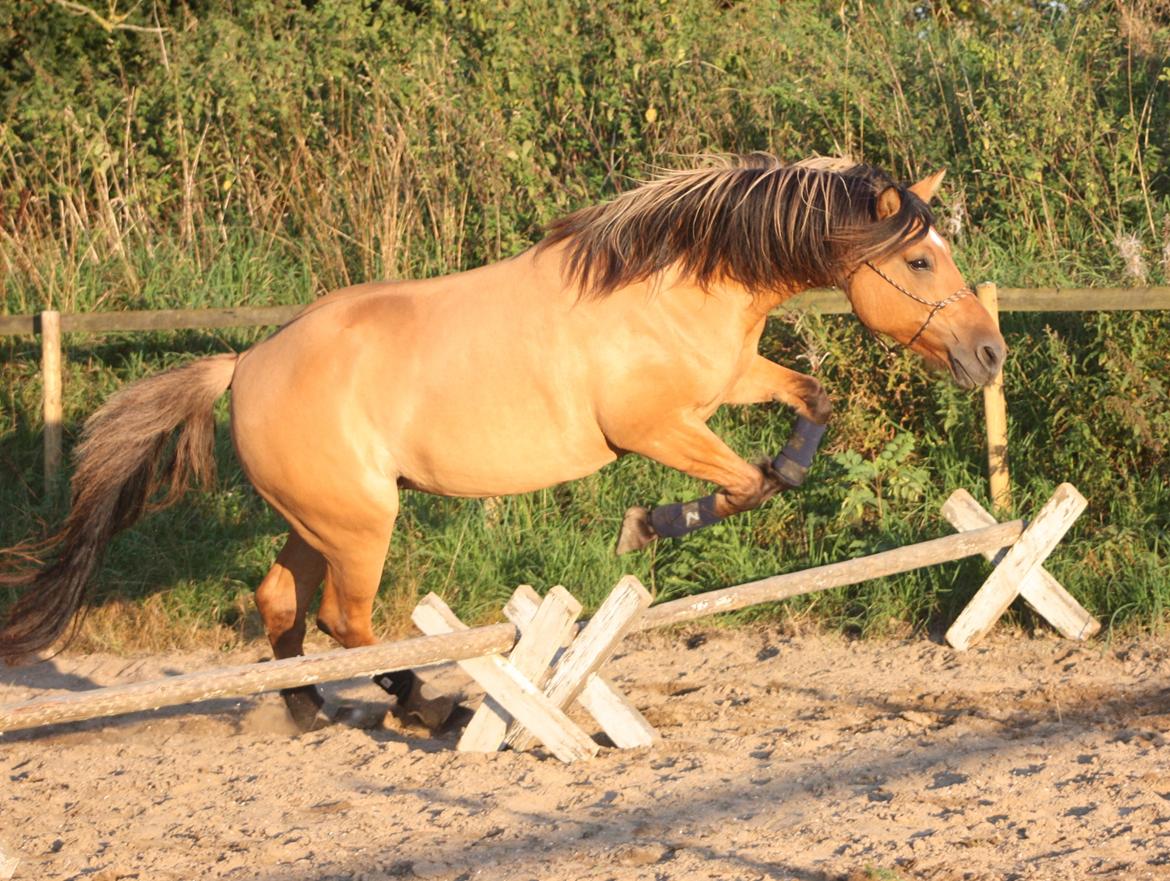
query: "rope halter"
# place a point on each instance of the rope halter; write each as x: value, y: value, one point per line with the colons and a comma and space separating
x: 935, y: 306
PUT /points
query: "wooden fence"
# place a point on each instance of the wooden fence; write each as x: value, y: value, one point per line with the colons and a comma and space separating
x: 825, y: 301
x: 51, y: 325
x: 541, y: 627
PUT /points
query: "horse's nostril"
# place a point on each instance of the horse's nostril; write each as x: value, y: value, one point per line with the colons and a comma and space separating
x: 990, y: 356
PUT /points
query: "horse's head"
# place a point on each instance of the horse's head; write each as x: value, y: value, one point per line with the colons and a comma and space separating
x: 917, y: 296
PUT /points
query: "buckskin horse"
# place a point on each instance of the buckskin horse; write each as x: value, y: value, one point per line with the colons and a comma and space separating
x: 621, y: 332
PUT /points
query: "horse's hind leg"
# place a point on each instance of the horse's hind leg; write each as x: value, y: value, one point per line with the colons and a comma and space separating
x: 352, y: 576
x: 283, y: 599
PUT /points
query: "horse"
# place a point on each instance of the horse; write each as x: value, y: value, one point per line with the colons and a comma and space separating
x: 622, y: 331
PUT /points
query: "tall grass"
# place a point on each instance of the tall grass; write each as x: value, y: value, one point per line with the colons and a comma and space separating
x: 200, y: 153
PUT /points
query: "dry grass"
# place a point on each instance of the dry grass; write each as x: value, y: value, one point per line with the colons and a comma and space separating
x: 153, y: 625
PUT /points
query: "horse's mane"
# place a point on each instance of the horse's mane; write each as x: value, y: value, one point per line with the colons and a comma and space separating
x: 747, y: 219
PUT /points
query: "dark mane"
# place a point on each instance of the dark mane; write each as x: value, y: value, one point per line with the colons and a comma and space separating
x: 750, y: 219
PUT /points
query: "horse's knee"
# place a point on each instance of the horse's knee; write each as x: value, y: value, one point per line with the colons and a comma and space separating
x: 348, y: 632
x: 817, y: 405
x: 749, y: 494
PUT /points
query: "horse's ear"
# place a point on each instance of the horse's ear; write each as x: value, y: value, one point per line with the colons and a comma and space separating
x: 889, y: 203
x: 926, y: 188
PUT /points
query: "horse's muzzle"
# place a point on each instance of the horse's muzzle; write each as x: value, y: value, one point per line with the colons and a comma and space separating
x: 979, y: 362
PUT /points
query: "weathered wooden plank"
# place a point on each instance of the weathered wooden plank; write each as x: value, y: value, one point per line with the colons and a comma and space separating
x: 622, y: 722
x: 617, y: 715
x: 826, y: 301
x: 544, y: 720
x: 19, y: 325
x: 592, y: 647
x: 1003, y: 585
x: 829, y: 301
x: 8, y: 864
x: 781, y: 587
x: 1041, y: 591
x: 1084, y: 299
x: 250, y: 679
x: 156, y: 319
x: 545, y: 631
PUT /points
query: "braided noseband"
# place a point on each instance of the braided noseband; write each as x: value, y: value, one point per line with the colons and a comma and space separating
x: 936, y: 306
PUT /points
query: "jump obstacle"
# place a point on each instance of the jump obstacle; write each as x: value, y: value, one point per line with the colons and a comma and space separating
x: 534, y: 667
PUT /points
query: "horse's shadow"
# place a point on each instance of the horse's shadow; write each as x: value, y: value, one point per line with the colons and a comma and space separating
x: 46, y: 675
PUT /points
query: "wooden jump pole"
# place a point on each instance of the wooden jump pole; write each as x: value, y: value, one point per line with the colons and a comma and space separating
x: 424, y: 651
x: 782, y: 587
x: 995, y: 414
x: 51, y: 386
x: 248, y: 679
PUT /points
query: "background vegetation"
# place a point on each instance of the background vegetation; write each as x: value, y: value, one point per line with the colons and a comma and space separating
x: 211, y: 152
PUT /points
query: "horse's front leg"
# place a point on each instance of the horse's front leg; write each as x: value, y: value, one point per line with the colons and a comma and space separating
x: 765, y: 381
x: 744, y: 486
x: 689, y: 446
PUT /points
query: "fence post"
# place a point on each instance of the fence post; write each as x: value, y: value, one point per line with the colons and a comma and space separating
x: 51, y: 385
x: 995, y: 413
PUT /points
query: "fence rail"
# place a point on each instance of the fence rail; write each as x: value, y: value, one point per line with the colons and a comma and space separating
x: 50, y: 326
x: 825, y: 301
x: 154, y: 319
x: 832, y: 302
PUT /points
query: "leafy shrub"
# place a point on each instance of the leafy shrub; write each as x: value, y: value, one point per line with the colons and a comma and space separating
x: 211, y: 153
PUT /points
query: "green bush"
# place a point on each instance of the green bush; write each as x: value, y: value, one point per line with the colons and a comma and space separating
x: 258, y: 152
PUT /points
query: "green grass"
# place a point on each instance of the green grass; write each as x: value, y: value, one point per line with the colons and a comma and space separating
x: 902, y: 440
x: 282, y: 151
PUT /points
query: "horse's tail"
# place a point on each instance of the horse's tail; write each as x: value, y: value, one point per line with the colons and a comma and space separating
x: 156, y: 434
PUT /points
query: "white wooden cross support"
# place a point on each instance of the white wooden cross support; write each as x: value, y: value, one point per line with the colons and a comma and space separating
x: 511, y: 685
x: 592, y: 648
x: 622, y: 722
x: 511, y: 689
x: 1019, y: 570
x: 1039, y: 589
x: 552, y: 623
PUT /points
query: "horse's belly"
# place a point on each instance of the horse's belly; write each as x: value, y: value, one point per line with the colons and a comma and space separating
x: 452, y: 454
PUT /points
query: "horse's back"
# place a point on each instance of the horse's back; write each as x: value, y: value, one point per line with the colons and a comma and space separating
x: 473, y: 384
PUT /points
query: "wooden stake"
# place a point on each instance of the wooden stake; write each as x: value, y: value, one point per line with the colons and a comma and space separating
x: 1041, y: 591
x: 51, y: 385
x: 1003, y: 585
x: 995, y: 414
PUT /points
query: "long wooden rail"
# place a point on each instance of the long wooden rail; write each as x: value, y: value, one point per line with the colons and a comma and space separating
x: 422, y: 651
x: 51, y: 326
x: 823, y: 300
x: 833, y: 302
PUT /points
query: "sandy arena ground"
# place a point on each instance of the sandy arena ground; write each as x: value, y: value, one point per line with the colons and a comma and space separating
x: 808, y: 758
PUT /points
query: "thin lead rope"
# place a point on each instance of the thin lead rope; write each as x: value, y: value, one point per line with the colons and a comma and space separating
x: 936, y: 306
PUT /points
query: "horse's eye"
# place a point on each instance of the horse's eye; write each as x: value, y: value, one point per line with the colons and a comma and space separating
x: 919, y: 265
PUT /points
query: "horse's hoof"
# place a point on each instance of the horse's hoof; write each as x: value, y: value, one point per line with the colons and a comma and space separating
x: 305, y: 704
x: 636, y: 531
x: 358, y: 716
x: 416, y: 699
x: 397, y: 683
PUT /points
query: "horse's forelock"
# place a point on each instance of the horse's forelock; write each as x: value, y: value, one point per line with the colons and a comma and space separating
x: 751, y: 220
x: 876, y: 240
